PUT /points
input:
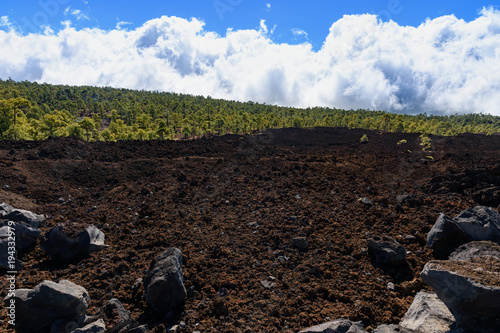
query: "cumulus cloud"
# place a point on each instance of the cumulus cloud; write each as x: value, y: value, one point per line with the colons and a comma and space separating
x: 445, y: 65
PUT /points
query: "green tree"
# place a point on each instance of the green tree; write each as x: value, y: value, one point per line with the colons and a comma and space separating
x: 88, y: 125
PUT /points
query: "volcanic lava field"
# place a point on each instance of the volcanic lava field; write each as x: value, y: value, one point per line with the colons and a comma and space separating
x: 234, y: 204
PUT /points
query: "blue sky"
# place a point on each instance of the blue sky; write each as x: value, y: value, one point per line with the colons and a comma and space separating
x: 405, y: 56
x: 291, y: 19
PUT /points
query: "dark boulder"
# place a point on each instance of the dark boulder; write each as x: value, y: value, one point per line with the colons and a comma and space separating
x: 470, y: 289
x: 60, y: 246
x: 478, y: 224
x: 386, y: 250
x: 163, y: 284
x: 38, y: 308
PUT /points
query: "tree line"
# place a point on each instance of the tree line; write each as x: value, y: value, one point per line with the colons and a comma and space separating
x: 33, y: 111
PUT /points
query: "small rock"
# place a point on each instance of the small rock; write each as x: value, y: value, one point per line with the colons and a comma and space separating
x: 174, y: 329
x: 164, y: 288
x: 366, y: 202
x: 267, y: 284
x: 115, y: 315
x: 404, y: 198
x: 386, y: 250
x: 5, y: 209
x: 222, y: 292
x: 300, y: 243
x: 337, y: 326
x: 95, y: 327
x: 391, y: 286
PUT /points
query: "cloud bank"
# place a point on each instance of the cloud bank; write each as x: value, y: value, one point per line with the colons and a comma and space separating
x: 445, y: 65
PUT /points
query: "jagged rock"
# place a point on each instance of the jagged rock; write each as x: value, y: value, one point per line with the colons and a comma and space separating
x: 95, y: 327
x: 365, y: 201
x: 488, y: 196
x: 337, y: 326
x: 476, y: 250
x: 92, y: 239
x: 5, y: 209
x: 404, y: 198
x: 267, y: 284
x: 300, y: 243
x: 21, y: 215
x: 40, y: 307
x: 6, y: 251
x: 386, y: 250
x: 115, y: 315
x: 470, y: 289
x: 426, y: 314
x: 26, y: 236
x: 478, y: 224
x: 59, y: 246
x: 163, y: 284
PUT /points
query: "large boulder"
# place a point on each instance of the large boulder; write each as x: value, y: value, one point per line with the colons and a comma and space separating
x: 38, y: 308
x: 59, y: 245
x: 478, y: 224
x: 470, y: 289
x: 426, y: 314
x: 386, y: 250
x: 163, y: 285
x: 21, y: 215
x: 337, y: 326
x: 26, y: 236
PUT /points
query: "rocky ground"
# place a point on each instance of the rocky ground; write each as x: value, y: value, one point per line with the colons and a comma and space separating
x: 234, y: 204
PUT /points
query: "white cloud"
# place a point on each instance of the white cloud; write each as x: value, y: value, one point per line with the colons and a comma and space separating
x: 5, y: 22
x: 299, y: 33
x: 120, y: 24
x: 77, y: 13
x: 268, y: 6
x: 445, y: 65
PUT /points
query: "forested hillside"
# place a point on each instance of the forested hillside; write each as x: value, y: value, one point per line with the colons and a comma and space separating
x: 32, y: 111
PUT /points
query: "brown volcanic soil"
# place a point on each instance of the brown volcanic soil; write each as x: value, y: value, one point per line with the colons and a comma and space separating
x: 233, y: 205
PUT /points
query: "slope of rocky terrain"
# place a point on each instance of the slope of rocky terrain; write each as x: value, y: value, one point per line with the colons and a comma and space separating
x: 234, y: 205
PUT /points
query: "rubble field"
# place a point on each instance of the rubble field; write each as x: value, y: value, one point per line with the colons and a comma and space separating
x: 273, y: 227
